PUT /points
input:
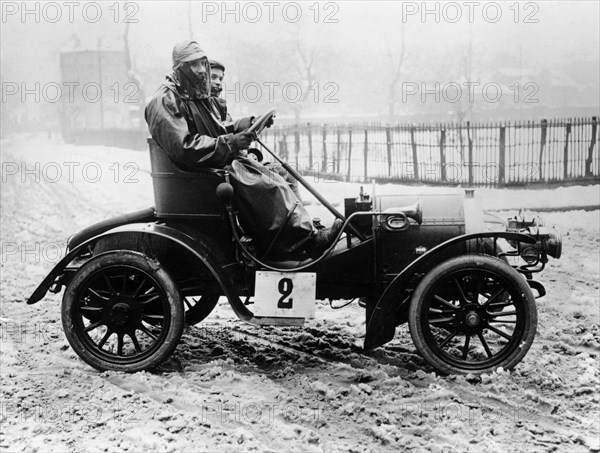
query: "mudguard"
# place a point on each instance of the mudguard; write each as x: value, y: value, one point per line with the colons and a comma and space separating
x: 197, y: 248
x: 382, y: 321
x: 142, y: 216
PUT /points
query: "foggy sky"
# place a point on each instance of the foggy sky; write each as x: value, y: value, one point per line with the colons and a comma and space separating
x: 352, y: 52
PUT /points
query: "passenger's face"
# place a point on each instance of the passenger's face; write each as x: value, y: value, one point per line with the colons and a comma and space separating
x: 253, y: 156
x: 198, y: 66
x: 216, y: 78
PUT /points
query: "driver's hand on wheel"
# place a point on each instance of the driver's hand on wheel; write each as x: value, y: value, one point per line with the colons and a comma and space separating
x: 241, y: 140
x: 270, y: 122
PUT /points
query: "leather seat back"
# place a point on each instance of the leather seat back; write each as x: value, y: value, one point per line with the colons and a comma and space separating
x: 183, y: 194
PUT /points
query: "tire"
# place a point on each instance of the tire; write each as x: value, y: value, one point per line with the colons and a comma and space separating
x: 197, y: 309
x: 122, y: 312
x: 459, y: 332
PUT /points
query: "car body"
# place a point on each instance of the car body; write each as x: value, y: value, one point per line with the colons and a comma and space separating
x: 456, y: 275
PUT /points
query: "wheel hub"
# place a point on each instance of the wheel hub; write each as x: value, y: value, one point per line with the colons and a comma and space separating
x: 472, y: 319
x: 119, y: 314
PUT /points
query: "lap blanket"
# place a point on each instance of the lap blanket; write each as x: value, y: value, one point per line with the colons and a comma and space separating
x: 264, y: 201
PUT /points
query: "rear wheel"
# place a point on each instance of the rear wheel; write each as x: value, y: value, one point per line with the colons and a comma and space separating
x: 472, y: 314
x: 198, y: 308
x: 123, y: 312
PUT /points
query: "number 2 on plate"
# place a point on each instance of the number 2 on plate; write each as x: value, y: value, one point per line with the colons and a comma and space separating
x: 285, y: 287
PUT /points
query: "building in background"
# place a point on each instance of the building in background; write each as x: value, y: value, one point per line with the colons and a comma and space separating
x: 104, y: 99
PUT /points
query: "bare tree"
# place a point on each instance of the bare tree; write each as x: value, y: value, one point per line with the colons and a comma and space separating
x: 285, y: 76
x: 189, y: 17
x: 396, y: 62
x: 466, y: 111
x: 128, y: 65
x: 305, y: 68
x: 132, y: 77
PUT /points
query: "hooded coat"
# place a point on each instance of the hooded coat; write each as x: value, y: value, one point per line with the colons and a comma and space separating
x: 192, y: 134
x: 190, y: 130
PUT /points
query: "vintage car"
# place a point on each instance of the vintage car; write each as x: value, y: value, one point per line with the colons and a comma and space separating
x: 462, y: 279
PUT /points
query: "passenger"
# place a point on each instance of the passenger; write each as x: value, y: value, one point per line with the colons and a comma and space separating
x: 186, y: 122
x: 217, y: 74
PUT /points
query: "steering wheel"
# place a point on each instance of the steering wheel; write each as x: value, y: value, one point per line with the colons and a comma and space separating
x: 260, y: 122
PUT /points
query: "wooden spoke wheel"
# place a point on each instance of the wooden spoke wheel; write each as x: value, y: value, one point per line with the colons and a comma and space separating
x: 473, y: 314
x: 122, y: 312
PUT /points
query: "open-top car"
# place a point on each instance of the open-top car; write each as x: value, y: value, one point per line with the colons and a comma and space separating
x: 462, y: 279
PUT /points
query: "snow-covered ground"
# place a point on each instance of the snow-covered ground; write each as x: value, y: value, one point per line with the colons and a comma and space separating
x: 233, y: 387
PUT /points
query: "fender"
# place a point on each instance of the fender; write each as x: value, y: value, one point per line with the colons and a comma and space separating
x: 143, y: 216
x: 382, y: 322
x: 197, y: 248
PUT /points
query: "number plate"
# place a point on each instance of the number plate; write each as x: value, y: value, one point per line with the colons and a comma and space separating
x: 285, y: 295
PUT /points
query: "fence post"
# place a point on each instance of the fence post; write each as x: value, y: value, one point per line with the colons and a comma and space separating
x: 297, y: 145
x: 542, y: 146
x: 349, y: 152
x: 388, y: 138
x: 339, y: 144
x: 310, y: 148
x: 443, y: 154
x: 470, y: 144
x: 365, y: 157
x: 324, y: 155
x: 414, y: 152
x: 284, y: 149
x: 588, y: 161
x: 566, y: 152
x: 502, y: 155
x: 462, y: 144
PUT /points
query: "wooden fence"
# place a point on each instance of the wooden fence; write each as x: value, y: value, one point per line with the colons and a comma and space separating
x: 478, y: 154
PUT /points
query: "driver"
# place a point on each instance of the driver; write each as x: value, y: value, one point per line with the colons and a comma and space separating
x: 185, y: 121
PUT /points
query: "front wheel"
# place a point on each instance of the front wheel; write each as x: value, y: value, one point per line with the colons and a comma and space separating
x: 122, y: 312
x: 473, y: 314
